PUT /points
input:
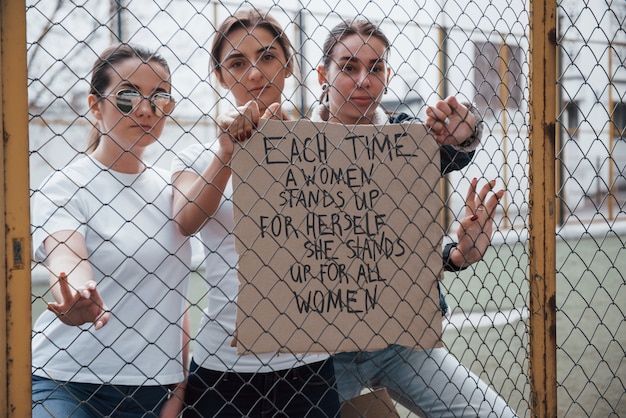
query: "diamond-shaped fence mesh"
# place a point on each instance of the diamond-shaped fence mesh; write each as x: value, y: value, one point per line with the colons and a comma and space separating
x: 319, y: 245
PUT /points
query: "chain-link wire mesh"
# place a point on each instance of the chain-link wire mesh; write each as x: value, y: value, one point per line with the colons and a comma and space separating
x: 478, y: 51
x: 591, y: 158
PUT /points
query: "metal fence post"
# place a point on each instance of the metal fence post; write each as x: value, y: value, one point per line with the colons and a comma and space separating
x: 15, y: 264
x: 542, y: 244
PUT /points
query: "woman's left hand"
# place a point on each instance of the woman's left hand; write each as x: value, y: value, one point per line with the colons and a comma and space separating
x: 476, y: 228
x: 451, y: 122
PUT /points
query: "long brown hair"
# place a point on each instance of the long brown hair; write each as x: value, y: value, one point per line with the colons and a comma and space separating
x: 104, y: 65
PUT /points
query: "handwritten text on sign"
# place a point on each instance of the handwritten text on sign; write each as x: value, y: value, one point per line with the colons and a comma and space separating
x: 338, y: 235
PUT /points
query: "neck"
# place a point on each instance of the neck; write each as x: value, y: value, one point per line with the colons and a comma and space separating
x: 363, y: 120
x: 118, y: 159
x: 322, y: 113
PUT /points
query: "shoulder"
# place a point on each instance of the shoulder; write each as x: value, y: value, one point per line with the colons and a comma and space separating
x: 75, y: 174
x: 158, y: 174
x: 196, y: 156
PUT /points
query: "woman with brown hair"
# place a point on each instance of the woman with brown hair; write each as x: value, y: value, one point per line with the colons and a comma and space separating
x: 432, y: 383
x: 251, y: 57
x: 112, y: 343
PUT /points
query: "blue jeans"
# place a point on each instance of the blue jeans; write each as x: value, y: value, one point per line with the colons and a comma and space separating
x: 306, y: 391
x: 429, y: 383
x: 52, y: 399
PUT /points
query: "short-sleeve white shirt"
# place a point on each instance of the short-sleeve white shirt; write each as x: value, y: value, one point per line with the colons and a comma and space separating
x: 212, y: 347
x: 141, y: 263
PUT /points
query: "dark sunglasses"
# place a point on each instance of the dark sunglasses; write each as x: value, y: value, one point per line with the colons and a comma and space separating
x: 128, y: 100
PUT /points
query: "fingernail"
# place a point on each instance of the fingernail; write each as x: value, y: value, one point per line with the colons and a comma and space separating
x: 474, y: 217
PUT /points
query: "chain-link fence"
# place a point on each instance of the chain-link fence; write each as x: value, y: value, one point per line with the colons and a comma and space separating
x: 478, y: 51
x: 591, y: 187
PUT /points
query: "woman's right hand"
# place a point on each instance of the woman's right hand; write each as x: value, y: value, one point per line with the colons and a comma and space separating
x: 237, y: 125
x: 80, y: 306
x: 275, y: 112
x: 451, y: 121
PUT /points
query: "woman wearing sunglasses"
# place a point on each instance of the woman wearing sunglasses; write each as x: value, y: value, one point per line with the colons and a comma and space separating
x: 112, y: 342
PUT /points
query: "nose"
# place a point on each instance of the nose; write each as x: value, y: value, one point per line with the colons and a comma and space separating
x: 254, y: 72
x: 144, y: 106
x: 363, y: 78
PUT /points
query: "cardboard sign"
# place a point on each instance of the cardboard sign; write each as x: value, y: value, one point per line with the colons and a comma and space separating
x: 338, y: 232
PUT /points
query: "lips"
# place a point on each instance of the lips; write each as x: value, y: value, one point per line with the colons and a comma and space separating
x: 256, y: 92
x: 361, y: 100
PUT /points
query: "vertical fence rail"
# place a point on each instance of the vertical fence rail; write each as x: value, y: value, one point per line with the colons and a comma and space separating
x: 15, y: 265
x: 542, y: 243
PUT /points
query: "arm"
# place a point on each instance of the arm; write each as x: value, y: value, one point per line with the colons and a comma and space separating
x: 175, y: 403
x: 197, y: 197
x: 476, y: 228
x: 71, y: 281
x: 456, y: 124
x: 458, y: 128
x: 186, y: 341
x: 453, y: 159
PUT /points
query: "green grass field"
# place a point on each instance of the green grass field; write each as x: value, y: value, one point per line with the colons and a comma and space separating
x: 591, y: 302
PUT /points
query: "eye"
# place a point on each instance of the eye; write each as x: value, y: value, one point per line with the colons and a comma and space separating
x: 128, y: 94
x: 236, y: 64
x: 126, y: 100
x: 268, y: 57
x: 162, y: 98
x: 164, y: 102
x: 348, y: 68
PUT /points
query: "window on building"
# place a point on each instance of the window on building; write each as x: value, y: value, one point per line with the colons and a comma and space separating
x: 498, y: 75
x: 572, y: 116
x: 619, y: 120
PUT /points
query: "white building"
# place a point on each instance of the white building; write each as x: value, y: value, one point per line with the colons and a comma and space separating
x: 437, y: 51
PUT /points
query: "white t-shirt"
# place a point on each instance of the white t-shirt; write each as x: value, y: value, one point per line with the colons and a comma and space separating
x: 212, y: 349
x: 141, y: 264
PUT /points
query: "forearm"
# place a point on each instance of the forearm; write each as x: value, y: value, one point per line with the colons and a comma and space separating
x: 453, y: 159
x: 453, y: 258
x: 197, y: 197
x: 472, y: 142
x: 67, y: 254
x: 186, y: 341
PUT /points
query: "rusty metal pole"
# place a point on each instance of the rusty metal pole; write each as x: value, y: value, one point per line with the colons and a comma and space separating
x: 15, y: 289
x: 542, y: 243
